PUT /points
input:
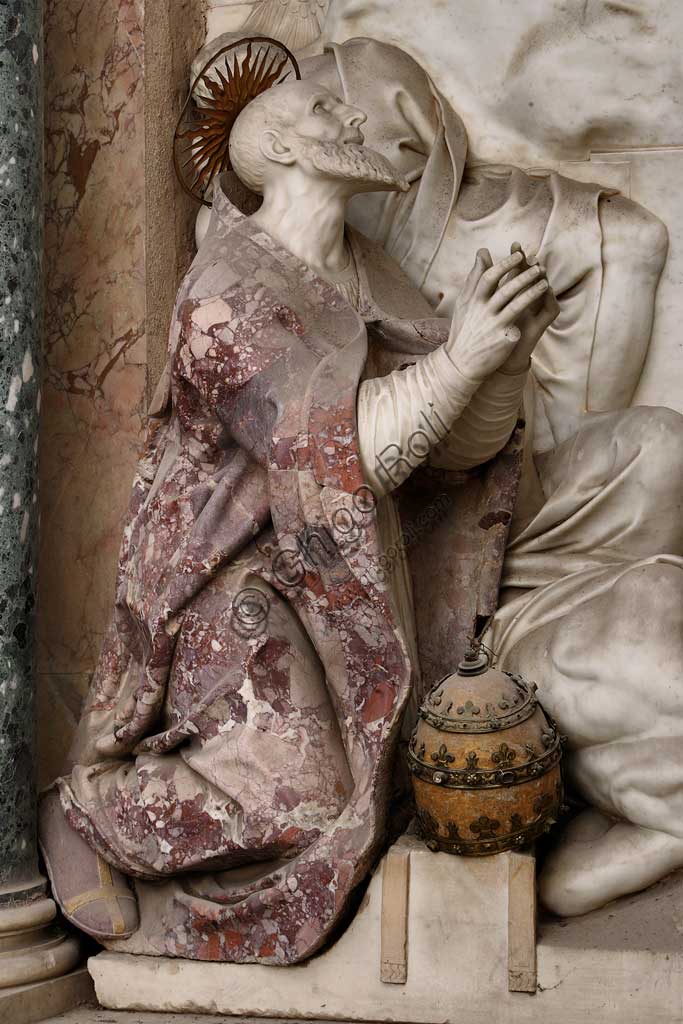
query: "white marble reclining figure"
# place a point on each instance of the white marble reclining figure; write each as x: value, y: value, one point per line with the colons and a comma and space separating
x: 592, y: 599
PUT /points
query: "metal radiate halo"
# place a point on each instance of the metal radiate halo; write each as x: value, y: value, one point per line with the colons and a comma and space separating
x: 220, y: 92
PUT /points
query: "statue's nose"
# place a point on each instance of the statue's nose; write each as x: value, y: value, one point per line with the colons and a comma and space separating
x: 355, y: 117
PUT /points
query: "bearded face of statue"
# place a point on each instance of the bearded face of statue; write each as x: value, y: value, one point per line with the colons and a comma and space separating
x: 306, y: 126
x: 327, y: 139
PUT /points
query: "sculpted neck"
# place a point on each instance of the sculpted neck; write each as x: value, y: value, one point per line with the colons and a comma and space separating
x: 307, y: 217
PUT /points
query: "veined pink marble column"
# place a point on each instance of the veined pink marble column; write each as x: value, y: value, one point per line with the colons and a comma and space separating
x: 95, y: 352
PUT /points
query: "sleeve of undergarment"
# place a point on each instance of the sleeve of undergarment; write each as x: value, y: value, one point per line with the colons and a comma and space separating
x: 402, y: 416
x: 484, y: 426
x: 431, y: 411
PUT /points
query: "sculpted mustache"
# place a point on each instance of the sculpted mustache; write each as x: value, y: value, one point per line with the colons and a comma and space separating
x: 356, y: 160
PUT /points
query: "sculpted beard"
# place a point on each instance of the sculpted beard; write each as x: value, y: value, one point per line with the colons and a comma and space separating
x: 352, y: 162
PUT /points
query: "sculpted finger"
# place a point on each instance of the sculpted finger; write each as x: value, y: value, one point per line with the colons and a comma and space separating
x: 549, y: 309
x: 506, y: 292
x: 492, y: 277
x: 516, y: 247
x: 546, y: 317
x: 482, y: 262
x: 523, y: 301
x: 526, y: 262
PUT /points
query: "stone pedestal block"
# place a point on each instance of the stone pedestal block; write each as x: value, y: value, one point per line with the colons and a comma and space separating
x: 466, y: 943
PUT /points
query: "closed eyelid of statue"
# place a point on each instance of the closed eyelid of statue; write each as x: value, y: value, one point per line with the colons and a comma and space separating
x: 319, y: 105
x: 325, y: 103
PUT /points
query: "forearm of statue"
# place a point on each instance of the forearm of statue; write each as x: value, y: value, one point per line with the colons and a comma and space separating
x: 484, y: 426
x: 403, y: 415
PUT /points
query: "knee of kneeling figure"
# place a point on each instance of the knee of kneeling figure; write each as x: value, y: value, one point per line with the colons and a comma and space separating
x: 657, y: 432
x: 631, y: 234
x: 649, y: 594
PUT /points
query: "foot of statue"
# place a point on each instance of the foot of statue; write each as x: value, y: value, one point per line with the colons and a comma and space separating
x: 91, y: 894
x: 598, y: 859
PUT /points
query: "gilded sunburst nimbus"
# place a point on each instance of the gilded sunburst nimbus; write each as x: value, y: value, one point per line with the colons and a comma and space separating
x: 221, y: 90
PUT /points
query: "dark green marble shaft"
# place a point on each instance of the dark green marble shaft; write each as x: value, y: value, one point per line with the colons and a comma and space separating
x: 21, y: 211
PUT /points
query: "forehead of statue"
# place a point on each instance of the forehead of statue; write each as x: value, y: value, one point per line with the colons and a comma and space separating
x: 300, y: 96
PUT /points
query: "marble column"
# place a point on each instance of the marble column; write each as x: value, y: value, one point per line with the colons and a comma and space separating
x: 31, y: 947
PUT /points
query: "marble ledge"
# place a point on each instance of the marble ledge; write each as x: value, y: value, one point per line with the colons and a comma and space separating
x: 623, y: 962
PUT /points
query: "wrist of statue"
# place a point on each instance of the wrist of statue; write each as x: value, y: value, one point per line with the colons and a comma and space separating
x: 515, y: 368
x: 450, y: 351
x: 467, y: 383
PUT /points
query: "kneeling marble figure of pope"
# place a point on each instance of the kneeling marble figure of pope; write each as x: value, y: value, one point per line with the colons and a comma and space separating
x: 241, y: 776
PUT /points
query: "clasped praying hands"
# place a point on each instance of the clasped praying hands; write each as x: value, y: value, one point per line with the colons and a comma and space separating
x: 503, y: 311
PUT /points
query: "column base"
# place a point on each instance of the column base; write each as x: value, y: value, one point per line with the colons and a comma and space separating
x: 32, y: 946
x: 27, y: 1004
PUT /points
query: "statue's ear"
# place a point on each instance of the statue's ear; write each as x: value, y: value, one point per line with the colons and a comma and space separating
x: 274, y: 148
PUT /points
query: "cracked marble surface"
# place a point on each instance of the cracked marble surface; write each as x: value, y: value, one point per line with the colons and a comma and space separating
x: 93, y: 1015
